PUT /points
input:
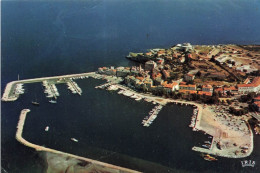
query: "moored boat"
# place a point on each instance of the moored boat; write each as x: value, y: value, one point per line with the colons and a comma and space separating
x: 73, y: 139
x: 35, y: 103
x: 209, y: 157
x: 46, y: 128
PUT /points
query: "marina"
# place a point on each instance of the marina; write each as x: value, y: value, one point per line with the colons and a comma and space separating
x: 14, y: 89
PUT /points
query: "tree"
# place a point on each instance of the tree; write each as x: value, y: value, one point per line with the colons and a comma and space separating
x: 229, y: 102
x: 229, y: 93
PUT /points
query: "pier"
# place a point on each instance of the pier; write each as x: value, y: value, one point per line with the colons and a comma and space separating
x: 103, y: 86
x: 50, y: 89
x: 41, y: 148
x: 73, y: 86
x: 152, y: 116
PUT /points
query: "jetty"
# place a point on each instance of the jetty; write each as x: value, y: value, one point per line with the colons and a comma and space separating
x: 73, y: 86
x: 41, y: 148
x: 152, y: 116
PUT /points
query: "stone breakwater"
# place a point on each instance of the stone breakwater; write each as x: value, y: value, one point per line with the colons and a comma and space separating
x: 109, y: 167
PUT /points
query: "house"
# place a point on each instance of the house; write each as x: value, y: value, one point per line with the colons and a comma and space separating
x: 254, y: 86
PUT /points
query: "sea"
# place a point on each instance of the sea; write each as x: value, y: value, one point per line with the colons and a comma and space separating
x: 47, y: 38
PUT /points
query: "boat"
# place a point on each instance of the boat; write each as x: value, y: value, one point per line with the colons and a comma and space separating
x: 53, y: 101
x: 205, y: 146
x: 46, y: 128
x: 73, y: 139
x: 209, y: 157
x: 35, y: 103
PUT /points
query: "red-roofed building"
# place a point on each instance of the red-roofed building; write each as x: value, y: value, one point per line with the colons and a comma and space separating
x: 254, y: 86
x: 205, y: 93
x: 231, y: 89
x: 171, y: 86
x: 207, y: 88
x: 187, y: 91
x: 161, y: 52
x: 149, y: 54
x: 219, y: 90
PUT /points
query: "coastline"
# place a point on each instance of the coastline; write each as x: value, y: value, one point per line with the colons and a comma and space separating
x: 200, y: 117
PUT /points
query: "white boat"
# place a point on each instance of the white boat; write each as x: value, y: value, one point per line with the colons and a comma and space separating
x: 46, y: 128
x: 53, y: 101
x: 73, y: 139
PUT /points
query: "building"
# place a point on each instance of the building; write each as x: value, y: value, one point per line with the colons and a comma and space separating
x: 122, y: 72
x: 231, y: 89
x: 189, y: 77
x: 206, y: 90
x: 188, y: 89
x: 254, y: 86
x: 170, y: 86
x: 107, y: 71
x: 149, y: 65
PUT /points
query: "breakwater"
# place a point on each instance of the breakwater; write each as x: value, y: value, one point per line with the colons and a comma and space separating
x: 19, y: 137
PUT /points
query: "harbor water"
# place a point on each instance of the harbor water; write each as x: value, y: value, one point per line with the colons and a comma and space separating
x: 55, y: 38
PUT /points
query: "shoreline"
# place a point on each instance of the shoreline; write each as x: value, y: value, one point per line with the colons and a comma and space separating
x: 19, y: 138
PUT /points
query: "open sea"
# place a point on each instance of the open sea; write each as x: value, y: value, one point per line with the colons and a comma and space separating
x: 47, y: 38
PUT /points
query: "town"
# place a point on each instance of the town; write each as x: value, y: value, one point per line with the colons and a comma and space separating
x: 224, y: 74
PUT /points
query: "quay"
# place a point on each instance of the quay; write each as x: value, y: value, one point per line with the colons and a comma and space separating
x: 41, y: 148
x: 9, y: 94
x: 152, y: 115
x: 102, y: 86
